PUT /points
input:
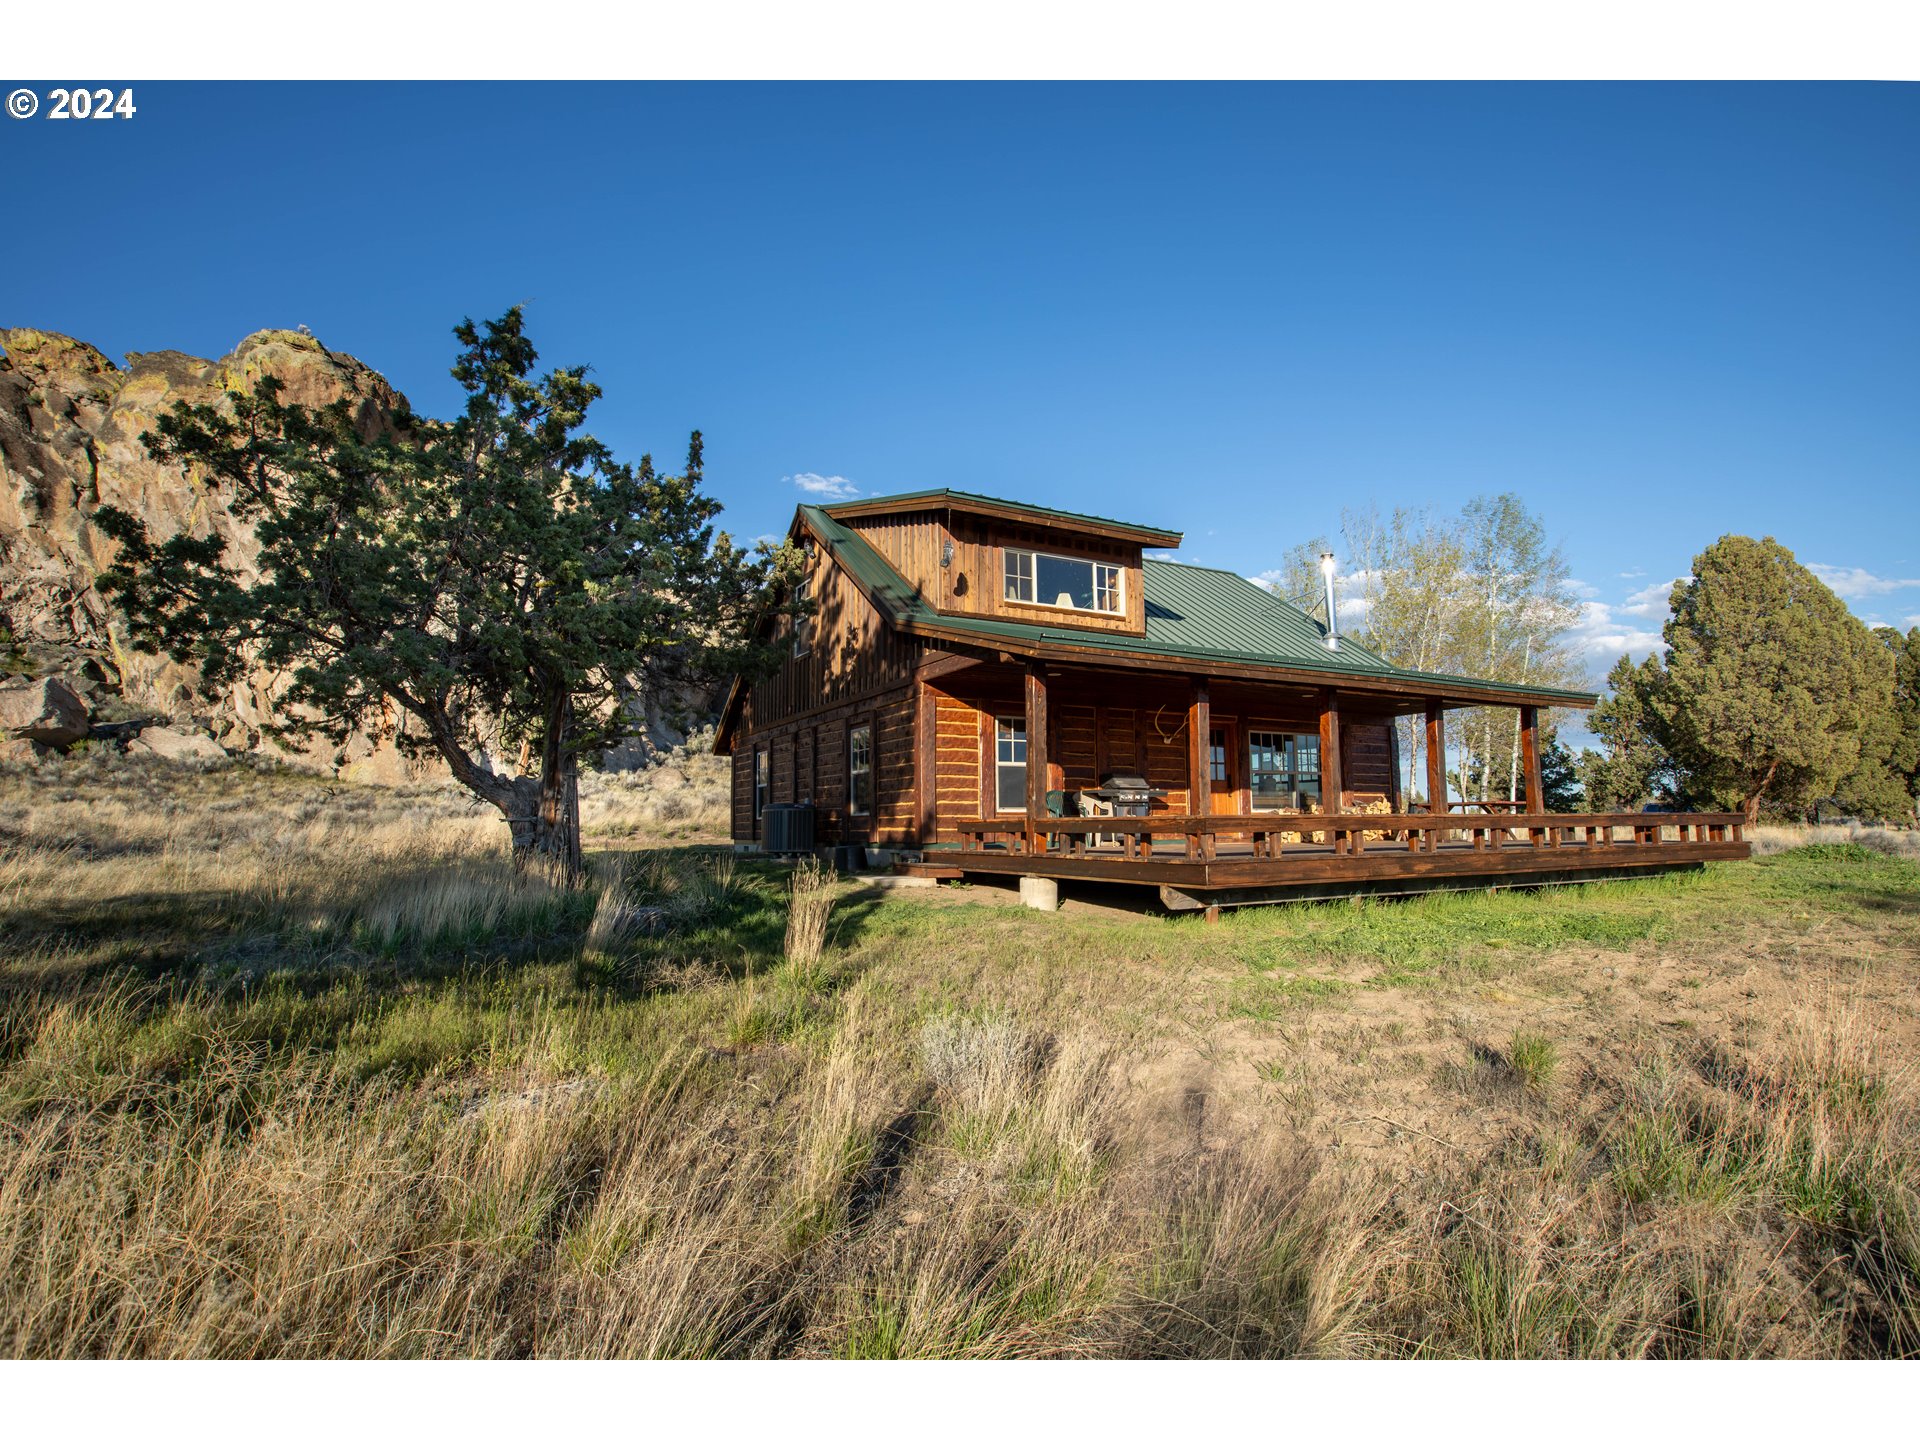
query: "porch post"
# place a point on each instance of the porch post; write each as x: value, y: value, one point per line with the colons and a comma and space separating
x: 1036, y: 750
x: 926, y: 761
x: 1330, y: 784
x: 1436, y: 758
x: 1200, y: 751
x: 1530, y: 758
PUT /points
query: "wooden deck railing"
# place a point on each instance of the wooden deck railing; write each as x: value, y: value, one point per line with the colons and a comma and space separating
x: 1133, y: 836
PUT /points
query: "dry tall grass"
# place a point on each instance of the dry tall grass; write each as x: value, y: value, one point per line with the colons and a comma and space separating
x: 687, y: 795
x: 1773, y: 839
x: 809, y: 908
x: 317, y: 1075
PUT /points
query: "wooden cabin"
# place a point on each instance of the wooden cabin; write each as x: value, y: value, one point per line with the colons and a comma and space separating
x: 991, y: 687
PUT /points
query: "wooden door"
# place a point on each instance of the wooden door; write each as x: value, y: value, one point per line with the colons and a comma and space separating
x: 1223, y: 769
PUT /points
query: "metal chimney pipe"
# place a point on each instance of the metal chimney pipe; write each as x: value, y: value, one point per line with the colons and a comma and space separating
x: 1333, y: 616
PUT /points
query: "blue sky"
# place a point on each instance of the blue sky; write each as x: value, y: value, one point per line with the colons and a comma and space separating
x: 1660, y: 313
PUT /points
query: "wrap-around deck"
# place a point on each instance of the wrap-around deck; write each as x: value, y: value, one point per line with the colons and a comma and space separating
x: 981, y: 683
x: 1343, y: 853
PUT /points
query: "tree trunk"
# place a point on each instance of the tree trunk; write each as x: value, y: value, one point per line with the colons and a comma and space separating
x: 544, y: 814
x: 1750, y: 806
x: 558, y: 834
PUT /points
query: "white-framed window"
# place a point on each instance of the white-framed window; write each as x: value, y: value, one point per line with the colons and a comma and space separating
x: 1034, y: 577
x: 1283, y: 771
x: 860, y: 770
x: 1010, y: 762
x: 759, y: 784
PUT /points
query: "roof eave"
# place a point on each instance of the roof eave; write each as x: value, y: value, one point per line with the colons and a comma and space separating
x: 1145, y: 535
x: 1454, y: 690
x: 1459, y: 690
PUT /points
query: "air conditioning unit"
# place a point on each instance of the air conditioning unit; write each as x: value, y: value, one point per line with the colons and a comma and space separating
x: 787, y: 829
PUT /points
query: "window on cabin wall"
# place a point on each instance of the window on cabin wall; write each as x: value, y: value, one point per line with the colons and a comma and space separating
x: 759, y: 784
x: 1010, y: 763
x: 803, y: 624
x: 1283, y: 771
x: 803, y: 594
x: 1034, y: 577
x: 860, y: 770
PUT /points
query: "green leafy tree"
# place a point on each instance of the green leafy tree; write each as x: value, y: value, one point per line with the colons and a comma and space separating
x: 1886, y: 783
x: 1904, y: 758
x: 1560, y: 774
x: 1560, y: 787
x: 1769, y: 683
x: 1480, y: 594
x: 1632, y: 768
x: 1515, y: 630
x: 499, y: 576
x: 1410, y: 571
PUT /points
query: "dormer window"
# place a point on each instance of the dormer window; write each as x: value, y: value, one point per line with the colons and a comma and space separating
x: 1034, y: 577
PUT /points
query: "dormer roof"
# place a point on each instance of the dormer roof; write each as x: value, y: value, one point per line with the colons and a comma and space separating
x: 1020, y: 510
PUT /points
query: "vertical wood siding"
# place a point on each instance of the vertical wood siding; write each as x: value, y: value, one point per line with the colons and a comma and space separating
x: 853, y: 653
x: 974, y: 584
x: 857, y: 671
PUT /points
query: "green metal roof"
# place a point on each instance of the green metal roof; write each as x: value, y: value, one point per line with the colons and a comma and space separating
x: 929, y: 498
x: 1193, y: 613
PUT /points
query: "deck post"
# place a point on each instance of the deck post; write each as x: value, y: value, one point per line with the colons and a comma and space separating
x: 1530, y: 758
x: 926, y: 760
x: 1330, y: 783
x: 1199, y: 751
x: 1036, y: 754
x: 1436, y: 767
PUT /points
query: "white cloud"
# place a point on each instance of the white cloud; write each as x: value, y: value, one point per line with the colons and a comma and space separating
x: 1603, y: 636
x: 1631, y: 574
x: 825, y: 487
x: 1649, y: 601
x: 1850, y: 582
x: 1912, y: 621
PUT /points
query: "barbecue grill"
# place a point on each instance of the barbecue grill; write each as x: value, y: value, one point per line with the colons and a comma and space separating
x: 1128, y: 793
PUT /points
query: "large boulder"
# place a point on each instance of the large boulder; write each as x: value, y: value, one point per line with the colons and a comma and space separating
x: 45, y: 710
x: 189, y: 746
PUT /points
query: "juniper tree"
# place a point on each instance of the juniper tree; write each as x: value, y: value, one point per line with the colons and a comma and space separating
x: 1768, y: 684
x: 1885, y: 785
x: 1633, y: 766
x: 498, y: 576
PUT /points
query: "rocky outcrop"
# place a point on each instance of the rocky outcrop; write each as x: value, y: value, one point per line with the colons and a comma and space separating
x: 70, y: 426
x: 166, y: 743
x: 47, y: 711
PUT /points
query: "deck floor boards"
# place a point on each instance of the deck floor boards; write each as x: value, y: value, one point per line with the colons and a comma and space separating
x: 1235, y: 865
